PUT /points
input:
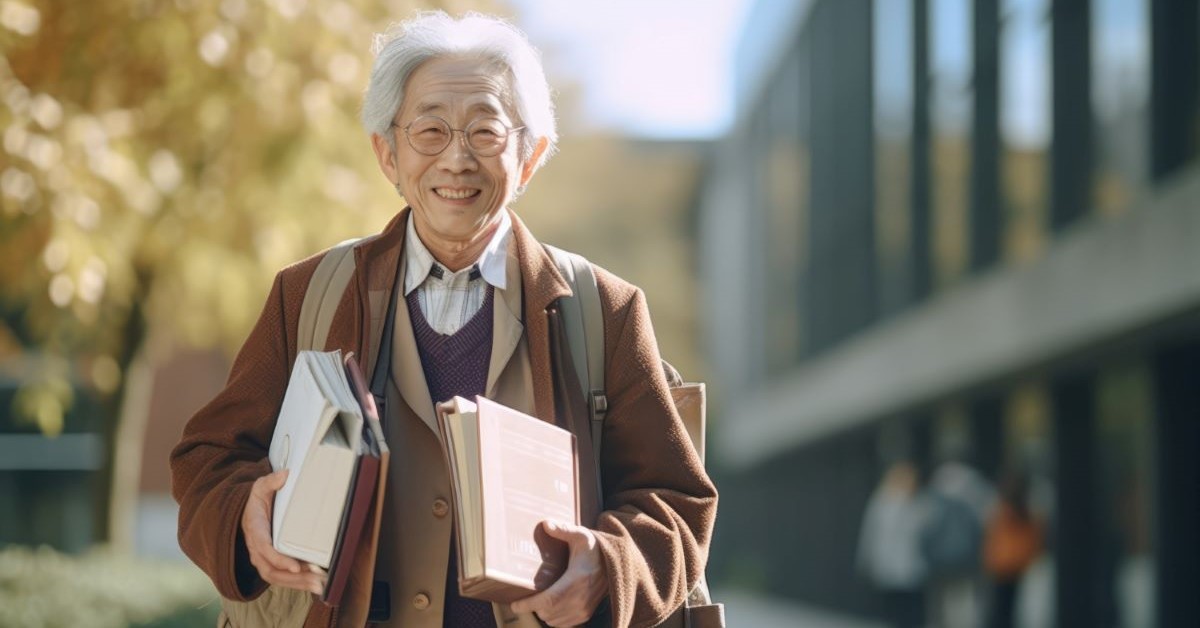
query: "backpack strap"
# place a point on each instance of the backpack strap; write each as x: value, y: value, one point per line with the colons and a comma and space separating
x: 321, y: 299
x: 584, y: 323
x: 324, y: 292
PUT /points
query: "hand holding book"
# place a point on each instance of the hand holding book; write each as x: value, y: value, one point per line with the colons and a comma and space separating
x: 320, y: 510
x: 509, y: 472
x: 573, y: 598
x: 273, y: 567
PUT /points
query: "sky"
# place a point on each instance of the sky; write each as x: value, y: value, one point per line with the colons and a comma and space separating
x: 656, y: 68
x: 666, y: 68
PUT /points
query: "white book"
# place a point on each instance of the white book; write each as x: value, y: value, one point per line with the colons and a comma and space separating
x: 318, y: 438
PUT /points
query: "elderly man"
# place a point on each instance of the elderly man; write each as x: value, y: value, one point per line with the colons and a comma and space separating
x: 460, y: 119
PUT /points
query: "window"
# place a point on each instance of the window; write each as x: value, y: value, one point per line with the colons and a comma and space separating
x: 1025, y: 126
x: 951, y: 60
x: 785, y: 197
x: 893, y: 113
x: 1124, y: 411
x: 1120, y: 93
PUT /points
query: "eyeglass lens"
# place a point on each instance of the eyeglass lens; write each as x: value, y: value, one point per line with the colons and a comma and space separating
x: 430, y: 135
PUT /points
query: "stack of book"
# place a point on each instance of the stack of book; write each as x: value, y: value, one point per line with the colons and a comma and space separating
x: 509, y: 473
x: 329, y: 437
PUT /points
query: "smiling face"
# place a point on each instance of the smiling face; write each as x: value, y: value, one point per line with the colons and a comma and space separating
x: 455, y: 195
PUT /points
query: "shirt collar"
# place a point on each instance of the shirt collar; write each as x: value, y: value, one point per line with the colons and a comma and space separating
x: 492, y: 263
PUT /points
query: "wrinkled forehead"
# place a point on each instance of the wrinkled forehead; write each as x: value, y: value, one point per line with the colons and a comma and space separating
x: 471, y: 85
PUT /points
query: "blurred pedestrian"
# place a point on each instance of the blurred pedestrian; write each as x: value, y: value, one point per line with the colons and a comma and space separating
x: 889, y: 552
x: 960, y: 500
x: 1012, y: 542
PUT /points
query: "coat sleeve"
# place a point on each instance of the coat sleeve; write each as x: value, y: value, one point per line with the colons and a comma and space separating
x: 224, y: 449
x: 659, y: 503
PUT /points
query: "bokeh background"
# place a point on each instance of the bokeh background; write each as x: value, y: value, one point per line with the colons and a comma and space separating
x: 949, y: 233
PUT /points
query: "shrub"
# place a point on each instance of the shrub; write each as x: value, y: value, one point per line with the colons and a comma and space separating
x: 45, y: 588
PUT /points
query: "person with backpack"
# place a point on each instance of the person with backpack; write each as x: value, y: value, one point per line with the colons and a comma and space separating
x: 454, y: 297
x: 959, y: 500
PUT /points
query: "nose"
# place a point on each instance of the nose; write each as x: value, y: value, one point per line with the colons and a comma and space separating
x: 457, y: 157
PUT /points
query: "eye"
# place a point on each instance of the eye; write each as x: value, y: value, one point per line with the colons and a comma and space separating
x: 487, y: 131
x: 426, y: 128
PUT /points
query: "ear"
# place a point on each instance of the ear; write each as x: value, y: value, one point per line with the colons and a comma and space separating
x: 531, y: 164
x: 386, y: 158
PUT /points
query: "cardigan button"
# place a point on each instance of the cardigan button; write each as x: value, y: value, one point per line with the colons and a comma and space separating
x: 421, y: 601
x: 440, y: 508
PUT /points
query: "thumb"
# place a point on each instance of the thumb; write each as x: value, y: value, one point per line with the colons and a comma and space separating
x: 562, y: 531
x: 276, y: 480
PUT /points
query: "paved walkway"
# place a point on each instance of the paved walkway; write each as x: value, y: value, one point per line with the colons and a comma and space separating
x: 749, y: 610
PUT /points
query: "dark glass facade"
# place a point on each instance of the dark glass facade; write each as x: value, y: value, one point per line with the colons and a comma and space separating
x: 911, y: 157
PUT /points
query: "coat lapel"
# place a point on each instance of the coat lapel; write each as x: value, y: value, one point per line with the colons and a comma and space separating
x: 407, y: 372
x: 506, y: 322
x: 534, y: 284
x: 383, y: 261
x: 542, y: 285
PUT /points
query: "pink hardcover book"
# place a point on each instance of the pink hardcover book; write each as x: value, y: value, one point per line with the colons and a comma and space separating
x: 509, y: 472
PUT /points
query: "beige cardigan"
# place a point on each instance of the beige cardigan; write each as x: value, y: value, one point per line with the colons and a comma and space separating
x: 659, y: 503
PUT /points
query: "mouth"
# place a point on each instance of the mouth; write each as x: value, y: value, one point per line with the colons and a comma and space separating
x: 456, y: 194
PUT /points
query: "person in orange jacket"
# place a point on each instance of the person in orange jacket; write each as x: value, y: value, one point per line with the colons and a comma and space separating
x: 1012, y: 542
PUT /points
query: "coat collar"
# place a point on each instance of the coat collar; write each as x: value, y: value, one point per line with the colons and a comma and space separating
x: 491, y: 265
x: 541, y: 284
x: 540, y: 277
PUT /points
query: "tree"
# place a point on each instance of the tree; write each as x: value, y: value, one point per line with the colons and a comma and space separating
x: 159, y: 160
x: 162, y: 158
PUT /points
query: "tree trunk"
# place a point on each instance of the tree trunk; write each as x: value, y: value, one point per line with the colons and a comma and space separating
x: 123, y: 429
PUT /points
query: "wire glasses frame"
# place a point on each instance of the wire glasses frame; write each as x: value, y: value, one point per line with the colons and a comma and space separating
x: 430, y: 135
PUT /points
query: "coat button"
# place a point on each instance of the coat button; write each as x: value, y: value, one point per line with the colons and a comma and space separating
x: 440, y: 508
x: 421, y: 601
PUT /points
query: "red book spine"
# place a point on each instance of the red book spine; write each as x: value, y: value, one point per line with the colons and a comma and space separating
x: 363, y: 494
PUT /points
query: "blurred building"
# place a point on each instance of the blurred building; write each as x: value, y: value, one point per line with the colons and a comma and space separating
x: 48, y: 485
x: 948, y: 229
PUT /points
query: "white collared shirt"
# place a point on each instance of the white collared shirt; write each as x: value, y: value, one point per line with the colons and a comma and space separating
x: 449, y: 300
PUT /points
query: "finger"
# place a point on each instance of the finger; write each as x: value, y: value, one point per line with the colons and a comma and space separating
x: 302, y: 582
x: 569, y: 533
x: 280, y: 561
x: 258, y: 542
x: 560, y: 609
x: 536, y: 603
x: 525, y: 605
x: 565, y: 618
x: 276, y: 480
x: 257, y: 526
x: 544, y: 601
x: 306, y: 580
x: 267, y: 485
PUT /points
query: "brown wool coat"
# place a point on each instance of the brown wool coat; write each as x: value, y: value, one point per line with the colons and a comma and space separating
x: 659, y: 503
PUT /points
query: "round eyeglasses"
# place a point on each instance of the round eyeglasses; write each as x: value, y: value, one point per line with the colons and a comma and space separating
x: 430, y: 135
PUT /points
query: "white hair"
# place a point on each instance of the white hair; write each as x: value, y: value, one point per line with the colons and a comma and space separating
x: 405, y: 46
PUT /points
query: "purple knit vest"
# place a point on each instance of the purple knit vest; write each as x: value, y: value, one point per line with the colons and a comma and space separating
x: 457, y: 365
